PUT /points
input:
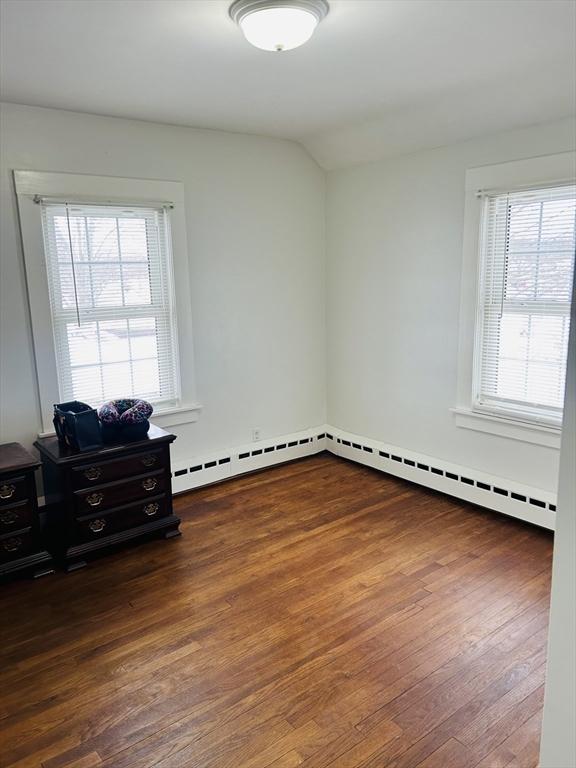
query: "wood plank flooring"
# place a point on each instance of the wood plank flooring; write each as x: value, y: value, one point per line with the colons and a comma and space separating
x: 319, y: 614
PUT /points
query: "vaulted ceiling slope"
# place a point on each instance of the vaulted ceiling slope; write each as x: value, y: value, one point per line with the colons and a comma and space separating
x: 379, y: 77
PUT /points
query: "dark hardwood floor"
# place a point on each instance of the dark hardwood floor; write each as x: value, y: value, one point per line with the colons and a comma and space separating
x: 316, y: 614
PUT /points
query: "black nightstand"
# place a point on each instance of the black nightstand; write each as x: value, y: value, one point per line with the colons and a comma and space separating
x: 102, y: 498
x: 21, y: 547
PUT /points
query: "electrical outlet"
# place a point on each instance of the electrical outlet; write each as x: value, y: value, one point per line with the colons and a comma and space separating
x: 255, y: 434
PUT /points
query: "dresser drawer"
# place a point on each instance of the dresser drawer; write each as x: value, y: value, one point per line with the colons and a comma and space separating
x: 15, y: 516
x: 97, y: 526
x: 16, y: 545
x: 97, y: 473
x: 13, y: 489
x: 115, y: 494
x: 100, y: 499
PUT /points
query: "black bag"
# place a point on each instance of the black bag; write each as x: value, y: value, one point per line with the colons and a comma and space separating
x: 77, y: 426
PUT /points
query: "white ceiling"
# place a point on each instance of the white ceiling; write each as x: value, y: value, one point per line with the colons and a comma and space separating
x: 379, y: 77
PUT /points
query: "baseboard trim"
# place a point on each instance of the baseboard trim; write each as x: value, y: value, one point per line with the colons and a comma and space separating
x: 225, y: 464
x: 533, y: 505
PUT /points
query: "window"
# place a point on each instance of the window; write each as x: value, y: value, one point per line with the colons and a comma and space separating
x: 111, y: 299
x: 527, y: 249
x: 107, y: 271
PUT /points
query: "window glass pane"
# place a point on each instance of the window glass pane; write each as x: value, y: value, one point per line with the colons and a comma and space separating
x: 133, y: 242
x: 75, y: 285
x: 511, y: 379
x: 109, y: 358
x: 70, y: 230
x: 103, y: 239
x: 146, y: 373
x: 528, y: 262
x: 557, y: 227
x: 554, y: 273
x: 83, y: 344
x: 521, y: 277
x: 547, y: 340
x: 106, y: 285
x: 545, y: 383
x: 143, y: 338
x: 113, y: 340
x: 540, y: 250
x: 523, y: 225
x: 117, y: 380
x: 105, y: 266
x: 514, y: 337
x: 136, y: 284
x: 86, y: 385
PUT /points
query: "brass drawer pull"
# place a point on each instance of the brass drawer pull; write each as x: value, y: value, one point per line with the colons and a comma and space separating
x: 92, y: 473
x: 148, y: 461
x: 97, y: 525
x: 7, y: 491
x: 13, y: 544
x: 151, y: 509
x: 149, y: 484
x: 8, y: 517
x: 95, y: 499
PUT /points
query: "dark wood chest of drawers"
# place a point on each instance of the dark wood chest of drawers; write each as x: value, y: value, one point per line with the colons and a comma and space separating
x: 98, y: 499
x: 21, y: 547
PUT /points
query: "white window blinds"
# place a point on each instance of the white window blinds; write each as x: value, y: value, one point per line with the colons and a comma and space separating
x: 111, y: 295
x: 527, y: 263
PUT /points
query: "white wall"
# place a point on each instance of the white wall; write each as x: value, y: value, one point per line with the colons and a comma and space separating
x: 395, y: 233
x: 255, y: 225
x: 558, y: 748
x: 258, y: 278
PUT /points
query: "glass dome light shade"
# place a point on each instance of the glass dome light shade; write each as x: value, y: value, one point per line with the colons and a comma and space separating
x: 278, y: 25
x: 278, y: 29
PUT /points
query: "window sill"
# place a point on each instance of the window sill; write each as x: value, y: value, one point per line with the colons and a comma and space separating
x: 170, y: 417
x: 548, y: 437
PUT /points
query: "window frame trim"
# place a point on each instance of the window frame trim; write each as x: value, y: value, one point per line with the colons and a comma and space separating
x: 517, y: 175
x: 82, y: 188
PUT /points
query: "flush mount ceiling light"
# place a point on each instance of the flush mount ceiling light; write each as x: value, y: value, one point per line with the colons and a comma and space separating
x: 278, y: 25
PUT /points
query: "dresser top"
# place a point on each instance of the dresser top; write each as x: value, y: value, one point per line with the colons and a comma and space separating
x: 61, y: 454
x: 15, y: 458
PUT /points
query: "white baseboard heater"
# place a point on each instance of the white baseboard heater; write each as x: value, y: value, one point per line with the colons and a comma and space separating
x: 531, y: 504
x: 247, y: 458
